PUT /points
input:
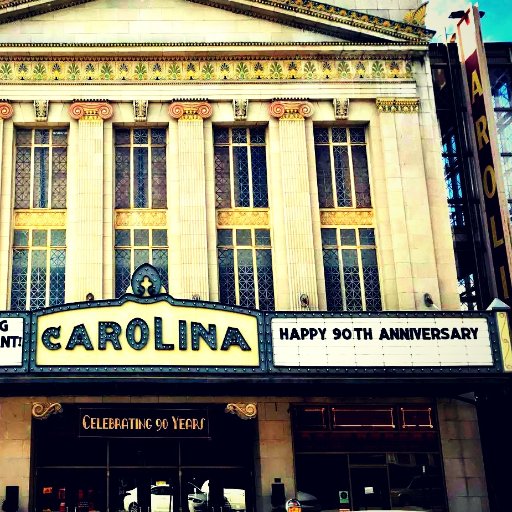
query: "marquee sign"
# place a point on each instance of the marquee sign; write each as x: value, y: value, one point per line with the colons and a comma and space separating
x: 381, y: 341
x: 139, y: 423
x: 145, y: 334
x: 14, y: 341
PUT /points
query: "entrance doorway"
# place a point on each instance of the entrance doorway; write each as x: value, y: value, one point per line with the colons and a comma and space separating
x: 104, y: 474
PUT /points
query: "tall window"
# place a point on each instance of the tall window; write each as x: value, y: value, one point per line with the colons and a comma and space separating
x: 501, y: 87
x: 38, y: 268
x: 40, y: 168
x: 240, y: 167
x: 245, y: 268
x: 133, y: 247
x: 350, y: 268
x: 140, y: 168
x: 342, y: 167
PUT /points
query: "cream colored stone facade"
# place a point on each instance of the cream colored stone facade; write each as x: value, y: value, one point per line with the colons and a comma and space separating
x: 387, y: 83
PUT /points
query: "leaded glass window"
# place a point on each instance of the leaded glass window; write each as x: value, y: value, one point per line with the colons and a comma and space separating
x: 140, y: 168
x: 342, y: 167
x: 240, y: 167
x: 350, y: 269
x: 38, y: 268
x: 245, y: 268
x: 40, y: 168
x: 134, y: 247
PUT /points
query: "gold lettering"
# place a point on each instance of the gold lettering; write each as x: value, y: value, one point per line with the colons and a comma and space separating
x: 476, y: 86
x: 489, y: 181
x: 481, y: 131
x: 85, y: 425
x: 175, y: 422
x: 504, y: 285
x: 495, y: 241
x: 202, y: 423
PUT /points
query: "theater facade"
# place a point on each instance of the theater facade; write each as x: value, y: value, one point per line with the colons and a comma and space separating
x: 227, y: 268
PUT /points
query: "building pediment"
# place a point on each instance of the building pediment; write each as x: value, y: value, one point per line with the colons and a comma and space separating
x: 331, y: 22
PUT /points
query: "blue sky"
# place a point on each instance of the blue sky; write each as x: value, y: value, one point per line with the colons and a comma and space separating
x: 496, y: 24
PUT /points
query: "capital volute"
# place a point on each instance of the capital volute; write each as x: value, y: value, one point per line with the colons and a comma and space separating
x: 290, y: 109
x: 90, y: 110
x: 190, y: 110
x: 6, y: 110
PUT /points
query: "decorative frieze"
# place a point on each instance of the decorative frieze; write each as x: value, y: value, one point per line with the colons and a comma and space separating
x: 190, y: 110
x: 91, y: 110
x: 341, y: 108
x: 244, y: 411
x: 39, y: 218
x: 318, y: 68
x: 291, y: 109
x: 242, y: 218
x: 240, y: 109
x: 140, y: 110
x: 398, y: 105
x: 41, y: 110
x: 142, y: 218
x: 6, y: 110
x: 354, y: 217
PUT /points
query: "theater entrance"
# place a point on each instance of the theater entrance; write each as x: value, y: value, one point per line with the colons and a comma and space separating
x: 90, y: 459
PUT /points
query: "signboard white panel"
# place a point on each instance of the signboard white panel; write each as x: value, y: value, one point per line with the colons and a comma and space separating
x: 383, y: 342
x: 11, y: 341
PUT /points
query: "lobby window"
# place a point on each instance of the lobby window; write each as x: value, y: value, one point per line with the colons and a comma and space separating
x: 40, y: 168
x: 38, y: 268
x: 342, y: 167
x: 350, y: 269
x: 245, y: 268
x: 133, y: 247
x: 140, y: 168
x: 240, y: 167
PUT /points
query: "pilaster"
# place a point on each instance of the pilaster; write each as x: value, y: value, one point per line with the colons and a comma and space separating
x: 6, y: 135
x: 296, y: 200
x: 192, y: 196
x: 85, y: 211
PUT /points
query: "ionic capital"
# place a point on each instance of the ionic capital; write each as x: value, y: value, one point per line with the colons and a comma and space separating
x: 291, y: 109
x: 90, y: 110
x: 6, y: 110
x: 190, y: 110
x: 398, y: 105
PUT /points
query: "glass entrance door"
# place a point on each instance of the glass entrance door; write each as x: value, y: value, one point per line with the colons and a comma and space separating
x: 370, y: 488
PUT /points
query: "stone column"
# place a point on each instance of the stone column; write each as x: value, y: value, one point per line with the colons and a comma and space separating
x: 85, y: 203
x: 6, y: 181
x: 192, y: 197
x: 296, y: 201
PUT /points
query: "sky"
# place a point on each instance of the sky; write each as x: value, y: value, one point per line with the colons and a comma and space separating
x: 496, y: 23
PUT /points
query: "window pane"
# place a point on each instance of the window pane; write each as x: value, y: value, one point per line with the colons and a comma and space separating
x: 348, y: 236
x: 41, y: 177
x: 158, y: 176
x: 20, y: 238
x: 59, y: 167
x: 243, y: 237
x: 122, y: 257
x: 324, y: 177
x: 42, y: 137
x: 57, y: 276
x: 351, y: 280
x: 160, y: 262
x: 23, y: 137
x: 246, y: 278
x: 158, y: 136
x: 22, y: 178
x: 221, y: 135
x: 329, y: 236
x: 39, y: 237
x: 227, y: 276
x: 332, y: 280
x: 38, y: 280
x: 504, y: 126
x: 257, y: 135
x: 159, y: 237
x: 239, y: 135
x: 60, y: 137
x: 140, y: 162
x: 501, y: 86
x: 19, y: 279
x: 339, y: 134
x: 321, y: 135
x: 262, y: 236
x: 241, y: 176
x: 140, y: 136
x: 222, y: 179
x: 367, y: 236
x: 361, y: 180
x: 371, y: 280
x: 122, y: 136
x: 141, y: 256
x: 141, y: 237
x: 123, y: 237
x: 265, y: 279
x: 259, y: 176
x: 357, y: 135
x: 342, y: 176
x: 122, y: 177
x: 224, y: 237
x: 58, y: 237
